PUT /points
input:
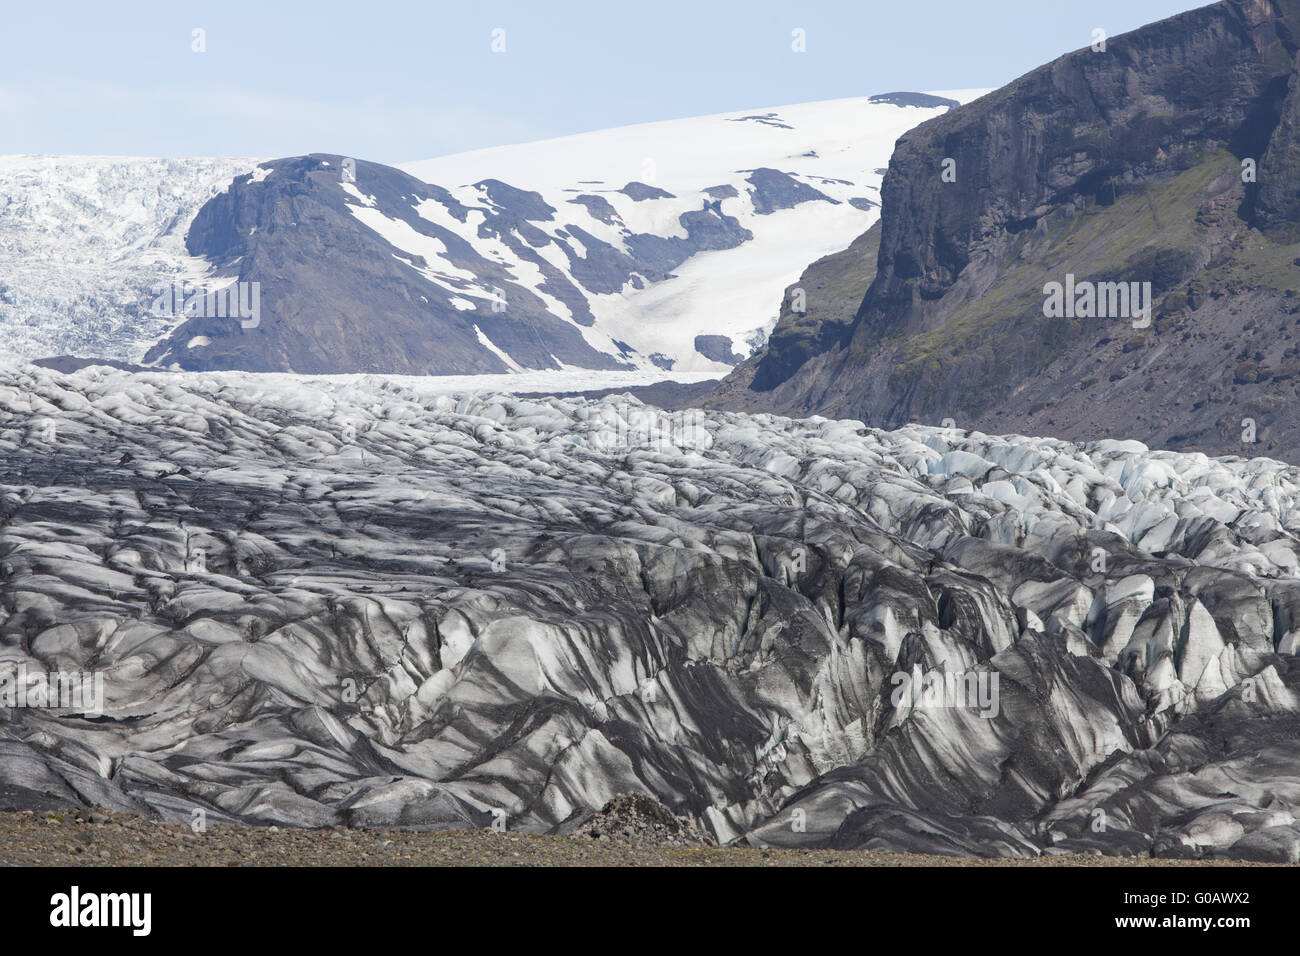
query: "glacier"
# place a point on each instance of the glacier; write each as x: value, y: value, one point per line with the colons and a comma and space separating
x: 84, y: 238
x: 389, y: 601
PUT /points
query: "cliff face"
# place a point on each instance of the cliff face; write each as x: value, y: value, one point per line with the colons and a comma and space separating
x: 1088, y: 126
x: 1171, y: 157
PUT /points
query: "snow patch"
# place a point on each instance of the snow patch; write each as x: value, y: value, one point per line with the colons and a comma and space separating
x: 499, y: 353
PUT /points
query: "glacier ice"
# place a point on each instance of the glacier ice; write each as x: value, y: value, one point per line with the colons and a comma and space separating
x: 373, y: 601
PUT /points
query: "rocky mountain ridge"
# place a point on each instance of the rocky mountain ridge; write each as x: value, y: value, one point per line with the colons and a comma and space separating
x: 1136, y: 163
x: 655, y: 247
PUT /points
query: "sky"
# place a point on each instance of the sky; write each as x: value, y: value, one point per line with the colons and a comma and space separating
x: 400, y: 80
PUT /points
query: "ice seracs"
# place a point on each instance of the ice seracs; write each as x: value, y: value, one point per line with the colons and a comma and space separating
x: 379, y: 601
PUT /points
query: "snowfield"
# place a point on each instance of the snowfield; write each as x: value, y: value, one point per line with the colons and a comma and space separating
x: 837, y: 147
x: 638, y: 240
x: 367, y: 600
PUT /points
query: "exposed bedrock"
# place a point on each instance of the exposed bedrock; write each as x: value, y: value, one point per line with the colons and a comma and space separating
x: 1166, y: 161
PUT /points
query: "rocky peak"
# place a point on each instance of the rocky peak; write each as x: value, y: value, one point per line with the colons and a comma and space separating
x: 1167, y: 157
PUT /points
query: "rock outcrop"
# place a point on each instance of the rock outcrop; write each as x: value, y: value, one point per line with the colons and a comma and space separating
x: 337, y: 296
x: 1167, y: 158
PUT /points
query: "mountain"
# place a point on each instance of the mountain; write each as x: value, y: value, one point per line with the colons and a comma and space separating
x: 660, y: 247
x: 1137, y: 164
x: 365, y: 601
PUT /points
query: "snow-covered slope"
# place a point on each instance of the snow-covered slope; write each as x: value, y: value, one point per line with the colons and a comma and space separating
x: 836, y: 147
x: 83, y: 238
x: 663, y: 246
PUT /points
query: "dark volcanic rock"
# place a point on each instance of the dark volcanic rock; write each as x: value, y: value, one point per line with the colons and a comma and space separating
x: 673, y: 396
x: 717, y: 348
x: 599, y: 207
x: 1128, y: 165
x: 71, y: 363
x: 336, y: 297
x: 765, y: 119
x: 641, y: 192
x: 773, y: 190
x: 913, y: 99
x: 637, y: 819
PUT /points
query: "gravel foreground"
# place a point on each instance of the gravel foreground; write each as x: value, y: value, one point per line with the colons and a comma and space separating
x: 93, y: 838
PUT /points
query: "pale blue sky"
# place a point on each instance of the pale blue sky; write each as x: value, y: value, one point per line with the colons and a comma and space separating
x: 397, y: 80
